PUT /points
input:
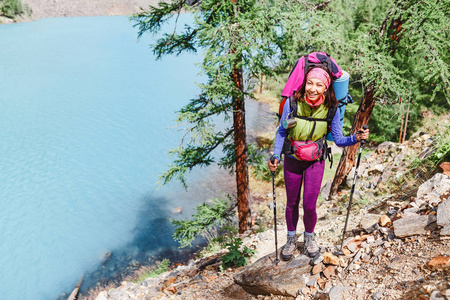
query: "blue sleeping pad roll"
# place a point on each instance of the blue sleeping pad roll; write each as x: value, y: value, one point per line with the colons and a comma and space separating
x: 340, y: 86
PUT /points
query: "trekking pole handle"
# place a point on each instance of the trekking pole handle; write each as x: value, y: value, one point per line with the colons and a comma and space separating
x: 364, y: 127
x: 272, y: 160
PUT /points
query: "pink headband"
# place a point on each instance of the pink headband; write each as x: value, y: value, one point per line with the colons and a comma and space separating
x: 320, y: 74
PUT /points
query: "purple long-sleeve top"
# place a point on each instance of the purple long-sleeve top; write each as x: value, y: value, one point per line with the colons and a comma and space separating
x: 336, y: 132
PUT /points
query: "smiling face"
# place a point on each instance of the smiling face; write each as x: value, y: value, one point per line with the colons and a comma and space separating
x: 314, y: 89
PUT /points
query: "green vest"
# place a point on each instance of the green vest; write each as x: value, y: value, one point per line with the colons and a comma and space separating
x: 303, y: 129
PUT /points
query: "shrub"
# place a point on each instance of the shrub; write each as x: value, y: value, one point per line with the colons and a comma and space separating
x: 237, y: 256
x: 11, y: 8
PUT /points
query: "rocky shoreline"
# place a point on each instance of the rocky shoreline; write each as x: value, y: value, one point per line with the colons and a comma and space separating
x: 78, y: 8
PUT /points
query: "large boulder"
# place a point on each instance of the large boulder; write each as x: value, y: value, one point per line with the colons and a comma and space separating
x: 265, y: 278
x: 412, y: 224
x: 385, y: 147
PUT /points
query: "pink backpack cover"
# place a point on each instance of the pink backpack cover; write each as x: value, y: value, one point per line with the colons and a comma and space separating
x: 298, y: 73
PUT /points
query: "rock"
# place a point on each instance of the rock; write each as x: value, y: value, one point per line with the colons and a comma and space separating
x: 335, y: 292
x: 317, y: 259
x: 440, y: 262
x: 350, y: 177
x: 420, y: 203
x: 445, y: 168
x: 177, y: 210
x: 172, y: 289
x: 399, y: 158
x: 411, y: 211
x: 347, y: 240
x: 325, y: 190
x: 385, y: 147
x: 330, y: 259
x: 352, y: 247
x: 410, y: 225
x: 305, y: 291
x: 378, y: 251
x: 436, y: 295
x: 384, y: 230
x: 445, y: 231
x: 370, y: 239
x: 265, y: 278
x: 312, y: 282
x: 102, y: 296
x: 443, y: 213
x: 317, y: 268
x: 321, y: 283
x: 329, y: 271
x: 369, y: 222
x: 384, y: 221
x: 377, y: 296
x: 428, y: 288
x: 439, y: 184
x: 365, y: 257
x: 198, y: 277
x: 376, y: 168
x: 264, y: 236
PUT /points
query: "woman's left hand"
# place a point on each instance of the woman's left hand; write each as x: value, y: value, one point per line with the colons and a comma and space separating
x: 363, y: 135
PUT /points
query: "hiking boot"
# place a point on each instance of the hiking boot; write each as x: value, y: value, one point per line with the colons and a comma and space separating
x: 289, y: 248
x: 311, y: 247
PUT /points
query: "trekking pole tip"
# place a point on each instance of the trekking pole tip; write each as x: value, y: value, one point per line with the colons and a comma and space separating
x: 338, y: 253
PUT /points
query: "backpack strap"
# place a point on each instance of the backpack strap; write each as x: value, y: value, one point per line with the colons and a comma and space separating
x: 330, y: 115
x: 307, y: 64
x: 327, y: 150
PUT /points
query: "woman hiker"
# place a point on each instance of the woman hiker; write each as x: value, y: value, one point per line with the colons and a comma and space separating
x: 313, y: 99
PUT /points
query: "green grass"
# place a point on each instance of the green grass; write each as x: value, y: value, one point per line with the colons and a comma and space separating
x: 152, y: 271
x: 329, y: 173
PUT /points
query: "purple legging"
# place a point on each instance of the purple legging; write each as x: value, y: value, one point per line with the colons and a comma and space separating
x: 312, y: 174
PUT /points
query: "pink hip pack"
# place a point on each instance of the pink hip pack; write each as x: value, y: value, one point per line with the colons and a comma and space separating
x: 308, y: 150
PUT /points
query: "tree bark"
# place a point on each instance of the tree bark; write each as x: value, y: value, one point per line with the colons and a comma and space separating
x: 240, y: 147
x: 348, y: 154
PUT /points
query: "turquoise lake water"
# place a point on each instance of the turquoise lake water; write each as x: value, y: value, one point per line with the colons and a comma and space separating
x: 85, y: 117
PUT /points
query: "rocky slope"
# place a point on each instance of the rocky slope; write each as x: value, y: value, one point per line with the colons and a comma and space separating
x: 397, y: 245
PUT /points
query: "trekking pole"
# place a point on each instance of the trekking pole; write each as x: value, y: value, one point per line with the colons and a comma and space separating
x: 275, y: 214
x: 340, y: 252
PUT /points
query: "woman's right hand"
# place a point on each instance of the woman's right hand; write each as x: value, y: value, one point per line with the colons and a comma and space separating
x: 273, y: 166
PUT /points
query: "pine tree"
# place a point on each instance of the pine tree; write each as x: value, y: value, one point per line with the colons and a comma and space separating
x: 239, y: 39
x: 405, y: 51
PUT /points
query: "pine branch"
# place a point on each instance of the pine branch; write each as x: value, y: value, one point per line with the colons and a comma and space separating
x: 192, y: 156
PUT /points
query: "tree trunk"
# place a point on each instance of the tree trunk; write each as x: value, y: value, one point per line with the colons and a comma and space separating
x: 240, y: 147
x: 348, y: 154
